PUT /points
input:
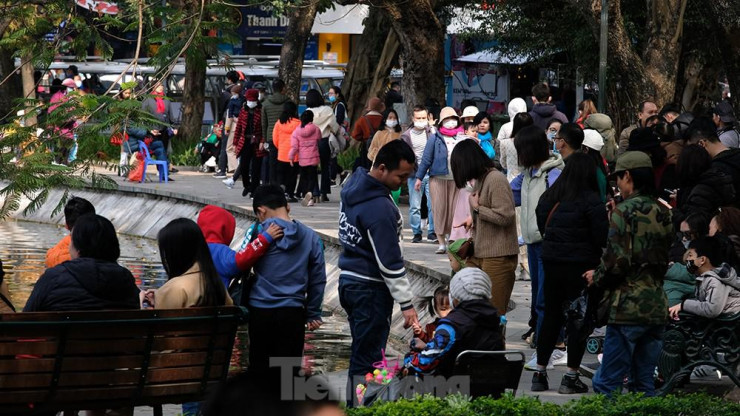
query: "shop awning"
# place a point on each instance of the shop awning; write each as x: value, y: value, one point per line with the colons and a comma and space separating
x: 492, y: 57
x: 341, y: 19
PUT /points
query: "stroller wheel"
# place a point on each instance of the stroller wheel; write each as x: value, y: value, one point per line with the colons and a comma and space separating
x: 594, y: 345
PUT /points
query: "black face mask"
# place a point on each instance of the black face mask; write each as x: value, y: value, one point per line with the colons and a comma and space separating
x: 691, y: 267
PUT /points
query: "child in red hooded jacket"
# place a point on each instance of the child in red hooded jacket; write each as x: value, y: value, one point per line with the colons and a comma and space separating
x: 218, y: 226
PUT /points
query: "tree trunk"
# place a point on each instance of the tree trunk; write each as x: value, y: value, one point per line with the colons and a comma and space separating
x: 193, y: 99
x: 29, y: 89
x: 422, y: 39
x: 12, y: 88
x: 365, y: 76
x: 726, y: 14
x: 194, y: 90
x: 294, y: 46
x: 664, y: 47
x: 651, y: 75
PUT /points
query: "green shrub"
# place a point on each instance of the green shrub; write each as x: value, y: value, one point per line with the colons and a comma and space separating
x: 594, y: 405
x: 184, y: 154
x: 347, y: 158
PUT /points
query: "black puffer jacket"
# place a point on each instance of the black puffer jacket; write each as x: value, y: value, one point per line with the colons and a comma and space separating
x: 84, y: 284
x: 728, y: 162
x: 577, y: 231
x: 477, y: 327
x: 712, y: 189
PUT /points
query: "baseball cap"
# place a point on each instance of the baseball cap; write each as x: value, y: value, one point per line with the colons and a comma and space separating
x: 724, y: 111
x: 632, y: 160
x: 592, y: 139
x: 470, y: 111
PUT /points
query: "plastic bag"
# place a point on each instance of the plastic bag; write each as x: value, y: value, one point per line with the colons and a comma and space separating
x: 137, y: 169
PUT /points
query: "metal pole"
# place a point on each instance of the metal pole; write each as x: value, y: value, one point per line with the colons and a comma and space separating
x: 602, y: 54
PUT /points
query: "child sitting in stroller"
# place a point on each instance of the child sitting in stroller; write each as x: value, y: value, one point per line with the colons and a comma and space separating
x: 208, y: 148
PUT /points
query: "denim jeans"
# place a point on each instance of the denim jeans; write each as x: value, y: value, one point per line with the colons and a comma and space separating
x: 537, y: 277
x: 369, y: 306
x: 415, y: 198
x: 629, y: 350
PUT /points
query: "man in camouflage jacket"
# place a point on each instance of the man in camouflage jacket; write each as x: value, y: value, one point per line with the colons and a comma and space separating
x: 631, y: 272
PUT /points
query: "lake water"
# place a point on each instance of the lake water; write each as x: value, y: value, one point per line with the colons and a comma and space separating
x: 23, y: 247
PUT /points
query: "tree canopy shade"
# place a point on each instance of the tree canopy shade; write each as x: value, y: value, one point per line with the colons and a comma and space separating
x: 37, y: 31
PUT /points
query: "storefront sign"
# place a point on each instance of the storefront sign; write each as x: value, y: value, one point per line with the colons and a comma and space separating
x: 259, y: 22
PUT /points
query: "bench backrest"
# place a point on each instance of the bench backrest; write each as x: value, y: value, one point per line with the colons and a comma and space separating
x: 491, y: 372
x: 88, y: 360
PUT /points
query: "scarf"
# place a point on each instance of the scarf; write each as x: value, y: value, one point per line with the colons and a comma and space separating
x: 158, y: 97
x: 451, y: 132
x: 485, y: 136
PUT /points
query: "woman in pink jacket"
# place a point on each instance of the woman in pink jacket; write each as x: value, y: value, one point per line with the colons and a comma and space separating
x: 305, y: 142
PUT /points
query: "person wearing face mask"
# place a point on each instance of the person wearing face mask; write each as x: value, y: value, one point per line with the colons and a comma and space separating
x: 553, y: 127
x: 716, y: 293
x: 436, y: 162
x: 568, y: 140
x: 249, y: 143
x: 339, y: 106
x: 491, y: 219
x: 540, y: 170
x: 717, y: 283
x: 631, y: 274
x: 162, y: 110
x: 391, y: 131
x: 417, y: 137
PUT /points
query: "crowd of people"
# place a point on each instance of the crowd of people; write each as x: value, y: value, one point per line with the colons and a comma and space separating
x: 648, y: 221
x: 624, y: 220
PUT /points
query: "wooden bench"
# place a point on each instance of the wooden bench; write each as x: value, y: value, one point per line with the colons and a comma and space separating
x: 53, y: 361
x: 693, y: 341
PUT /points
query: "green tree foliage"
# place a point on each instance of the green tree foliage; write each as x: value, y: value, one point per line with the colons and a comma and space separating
x: 39, y: 31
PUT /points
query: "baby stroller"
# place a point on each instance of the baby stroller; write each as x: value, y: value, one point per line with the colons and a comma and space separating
x: 209, y: 149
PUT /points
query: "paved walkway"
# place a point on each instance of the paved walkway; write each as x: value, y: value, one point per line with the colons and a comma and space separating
x: 323, y: 218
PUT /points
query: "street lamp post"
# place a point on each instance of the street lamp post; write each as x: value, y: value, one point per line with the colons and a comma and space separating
x: 602, y: 54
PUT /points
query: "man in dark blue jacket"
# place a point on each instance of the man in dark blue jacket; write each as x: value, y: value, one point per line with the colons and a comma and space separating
x: 372, y: 267
x: 288, y: 287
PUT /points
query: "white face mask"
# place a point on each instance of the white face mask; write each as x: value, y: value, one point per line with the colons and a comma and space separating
x: 251, y: 104
x: 421, y: 125
x: 469, y: 187
x: 450, y: 124
x: 391, y: 123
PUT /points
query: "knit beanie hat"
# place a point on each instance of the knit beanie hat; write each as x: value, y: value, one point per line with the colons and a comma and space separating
x: 454, y: 248
x: 470, y: 283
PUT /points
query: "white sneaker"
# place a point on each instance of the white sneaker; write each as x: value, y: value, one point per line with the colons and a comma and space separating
x: 559, y: 357
x: 706, y: 373
x: 442, y: 249
x: 532, y: 364
x: 229, y: 183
